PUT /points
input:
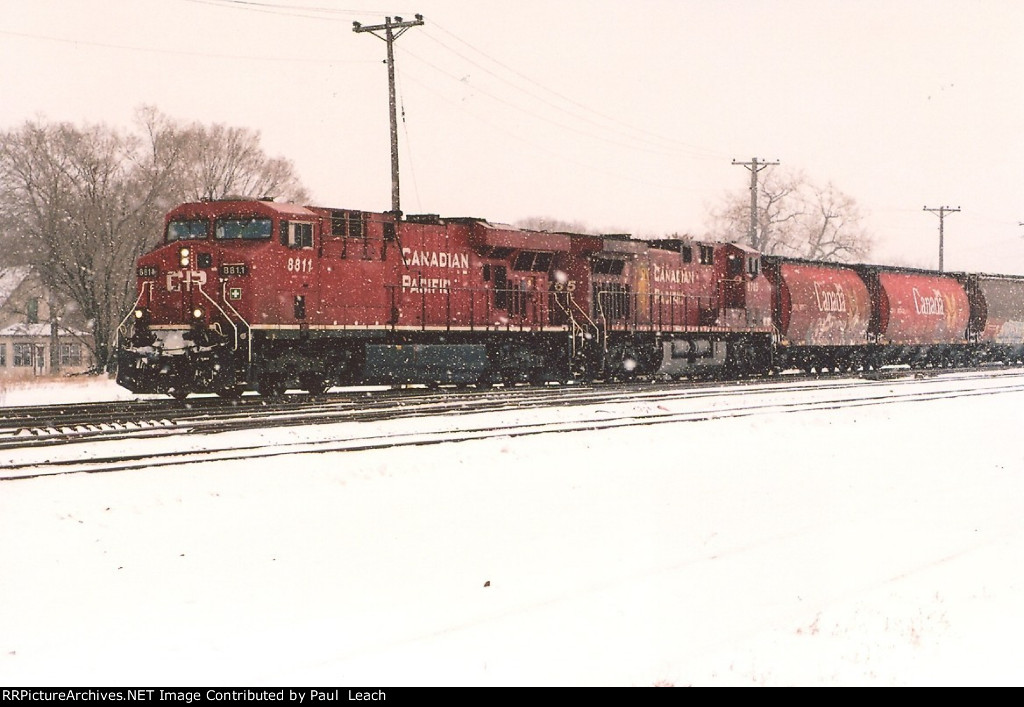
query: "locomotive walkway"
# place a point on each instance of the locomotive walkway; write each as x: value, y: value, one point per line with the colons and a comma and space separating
x: 103, y: 437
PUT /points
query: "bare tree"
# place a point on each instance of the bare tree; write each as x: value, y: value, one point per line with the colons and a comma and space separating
x: 546, y: 223
x: 81, y: 210
x: 223, y: 161
x: 795, y: 218
x: 83, y: 203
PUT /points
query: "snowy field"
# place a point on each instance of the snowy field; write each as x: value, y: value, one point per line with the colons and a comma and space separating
x: 878, y: 545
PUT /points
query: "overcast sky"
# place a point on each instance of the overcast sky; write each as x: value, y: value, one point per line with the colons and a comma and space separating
x: 623, y: 115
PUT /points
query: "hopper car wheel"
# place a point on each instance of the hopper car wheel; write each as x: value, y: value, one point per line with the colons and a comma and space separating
x: 178, y: 393
x: 233, y: 393
x: 270, y: 386
x: 314, y: 385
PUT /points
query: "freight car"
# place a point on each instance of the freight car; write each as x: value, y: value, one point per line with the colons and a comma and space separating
x: 254, y: 294
x: 997, y: 317
x: 837, y: 317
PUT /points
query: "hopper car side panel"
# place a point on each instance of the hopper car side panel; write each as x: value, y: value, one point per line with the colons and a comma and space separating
x: 820, y: 305
x: 921, y: 309
x: 1003, y: 301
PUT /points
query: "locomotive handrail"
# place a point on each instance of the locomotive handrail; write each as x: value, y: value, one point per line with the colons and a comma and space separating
x: 597, y: 330
x: 574, y: 303
x: 135, y: 306
x: 221, y: 310
x: 670, y: 309
x: 527, y: 308
x: 223, y: 295
x: 575, y: 329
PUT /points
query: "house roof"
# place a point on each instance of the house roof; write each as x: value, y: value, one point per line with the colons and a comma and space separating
x: 41, y: 329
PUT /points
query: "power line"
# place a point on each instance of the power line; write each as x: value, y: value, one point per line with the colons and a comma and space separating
x: 174, y: 52
x: 561, y: 157
x: 276, y: 8
x: 588, y: 112
x: 538, y: 116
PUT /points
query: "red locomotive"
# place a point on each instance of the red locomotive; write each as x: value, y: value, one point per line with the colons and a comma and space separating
x: 253, y: 294
x: 249, y: 294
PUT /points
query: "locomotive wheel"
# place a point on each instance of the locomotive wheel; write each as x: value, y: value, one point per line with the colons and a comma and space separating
x: 178, y: 393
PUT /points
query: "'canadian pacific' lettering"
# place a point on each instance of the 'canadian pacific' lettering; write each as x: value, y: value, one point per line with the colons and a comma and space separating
x: 425, y: 285
x: 176, y: 280
x: 434, y: 259
x: 676, y: 275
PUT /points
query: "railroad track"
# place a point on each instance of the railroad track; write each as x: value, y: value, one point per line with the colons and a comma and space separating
x: 49, y: 425
x: 359, y: 423
x: 22, y: 425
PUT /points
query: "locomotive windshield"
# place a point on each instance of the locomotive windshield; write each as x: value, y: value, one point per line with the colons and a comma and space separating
x: 186, y: 230
x: 243, y: 228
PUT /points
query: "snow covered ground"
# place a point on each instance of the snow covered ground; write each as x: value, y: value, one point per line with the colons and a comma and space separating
x: 876, y: 545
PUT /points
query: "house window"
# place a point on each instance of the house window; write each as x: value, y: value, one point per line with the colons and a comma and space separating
x: 32, y: 310
x: 71, y: 354
x: 23, y: 355
x: 3, y: 355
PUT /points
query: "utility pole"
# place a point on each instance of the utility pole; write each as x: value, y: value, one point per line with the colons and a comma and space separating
x: 754, y: 166
x: 390, y: 35
x: 942, y: 211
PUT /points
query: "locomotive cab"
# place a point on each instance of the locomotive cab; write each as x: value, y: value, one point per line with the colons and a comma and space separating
x: 190, y: 329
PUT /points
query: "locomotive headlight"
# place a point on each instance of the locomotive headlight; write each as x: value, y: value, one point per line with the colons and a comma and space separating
x: 184, y: 254
x: 197, y: 313
x: 140, y: 313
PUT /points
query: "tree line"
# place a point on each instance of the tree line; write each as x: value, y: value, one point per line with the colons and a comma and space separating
x: 796, y: 218
x: 81, y: 203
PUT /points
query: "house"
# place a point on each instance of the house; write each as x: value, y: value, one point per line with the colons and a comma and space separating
x: 31, y: 342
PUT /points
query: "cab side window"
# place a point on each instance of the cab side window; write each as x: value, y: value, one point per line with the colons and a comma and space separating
x: 296, y: 234
x: 707, y: 255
